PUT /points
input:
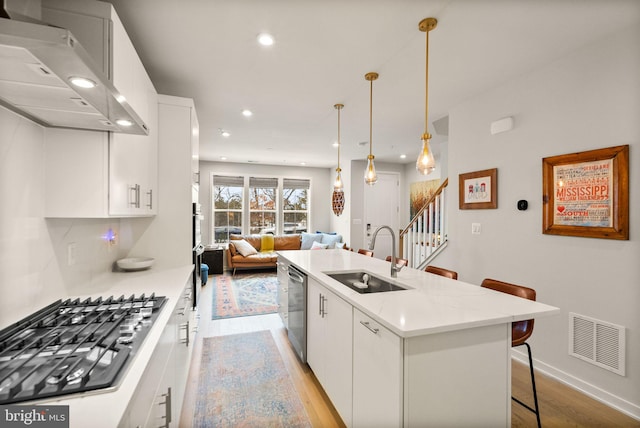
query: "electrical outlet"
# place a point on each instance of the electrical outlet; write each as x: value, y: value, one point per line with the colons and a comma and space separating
x: 71, y: 254
x: 475, y: 228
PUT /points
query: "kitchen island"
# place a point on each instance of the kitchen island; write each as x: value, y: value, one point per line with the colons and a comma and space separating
x: 435, y: 354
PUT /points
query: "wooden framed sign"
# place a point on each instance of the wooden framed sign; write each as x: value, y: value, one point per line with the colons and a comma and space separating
x: 587, y: 194
x: 478, y: 190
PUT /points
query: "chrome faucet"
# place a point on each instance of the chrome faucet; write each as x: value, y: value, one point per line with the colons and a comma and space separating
x: 395, y: 268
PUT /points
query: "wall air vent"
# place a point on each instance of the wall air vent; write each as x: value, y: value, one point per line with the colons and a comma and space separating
x: 597, y: 342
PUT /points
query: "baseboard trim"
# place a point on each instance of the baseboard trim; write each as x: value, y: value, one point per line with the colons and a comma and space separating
x: 613, y: 401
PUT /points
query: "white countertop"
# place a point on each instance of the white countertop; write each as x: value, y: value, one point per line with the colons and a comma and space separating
x: 105, y: 409
x: 433, y: 304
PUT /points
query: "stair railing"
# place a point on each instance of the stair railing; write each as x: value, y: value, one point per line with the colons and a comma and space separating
x: 426, y: 234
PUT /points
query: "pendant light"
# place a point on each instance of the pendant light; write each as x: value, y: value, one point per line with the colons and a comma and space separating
x: 370, y: 176
x: 337, y: 198
x: 426, y: 163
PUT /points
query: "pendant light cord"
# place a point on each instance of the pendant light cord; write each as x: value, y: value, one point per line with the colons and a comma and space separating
x: 339, y: 143
x: 370, y: 116
x: 426, y: 85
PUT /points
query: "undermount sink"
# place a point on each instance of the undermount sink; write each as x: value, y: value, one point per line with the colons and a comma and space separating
x: 375, y: 284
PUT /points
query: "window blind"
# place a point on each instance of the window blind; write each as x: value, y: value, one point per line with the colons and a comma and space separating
x: 263, y: 183
x: 293, y: 183
x: 227, y: 181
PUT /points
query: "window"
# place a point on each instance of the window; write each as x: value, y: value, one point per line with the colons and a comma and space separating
x: 227, y: 206
x: 263, y: 193
x: 274, y: 205
x: 295, y: 205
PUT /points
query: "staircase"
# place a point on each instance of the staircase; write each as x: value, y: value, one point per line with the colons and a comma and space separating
x: 426, y: 235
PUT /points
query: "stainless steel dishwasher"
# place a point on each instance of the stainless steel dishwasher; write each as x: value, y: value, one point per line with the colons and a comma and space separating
x: 297, y: 303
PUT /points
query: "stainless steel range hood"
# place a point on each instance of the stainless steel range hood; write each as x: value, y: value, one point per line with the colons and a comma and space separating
x: 36, y: 64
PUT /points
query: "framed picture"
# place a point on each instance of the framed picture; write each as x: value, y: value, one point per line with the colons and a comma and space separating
x: 478, y: 190
x: 419, y: 193
x: 587, y: 194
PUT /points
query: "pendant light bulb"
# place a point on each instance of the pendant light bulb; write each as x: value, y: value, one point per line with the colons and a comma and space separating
x: 370, y: 176
x: 426, y: 163
x: 337, y: 185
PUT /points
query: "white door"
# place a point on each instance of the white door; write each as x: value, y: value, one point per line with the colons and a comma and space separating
x: 381, y: 207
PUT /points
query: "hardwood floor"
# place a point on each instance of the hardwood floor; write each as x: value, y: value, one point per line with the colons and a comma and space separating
x: 560, y: 406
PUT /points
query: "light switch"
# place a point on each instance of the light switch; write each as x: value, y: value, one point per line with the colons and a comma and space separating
x: 475, y: 228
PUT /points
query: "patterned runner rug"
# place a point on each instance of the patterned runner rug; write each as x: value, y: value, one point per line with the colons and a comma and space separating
x: 243, y: 382
x: 253, y: 293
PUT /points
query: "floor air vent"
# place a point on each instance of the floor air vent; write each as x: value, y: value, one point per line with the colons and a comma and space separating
x: 597, y: 342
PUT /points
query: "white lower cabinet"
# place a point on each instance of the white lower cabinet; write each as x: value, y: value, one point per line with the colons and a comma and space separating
x: 329, y: 345
x: 377, y: 374
x: 157, y: 401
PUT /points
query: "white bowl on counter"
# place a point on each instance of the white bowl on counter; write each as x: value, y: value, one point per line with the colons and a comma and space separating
x: 135, y: 263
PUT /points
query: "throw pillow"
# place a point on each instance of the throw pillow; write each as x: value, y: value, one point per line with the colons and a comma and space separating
x: 267, y: 243
x: 340, y: 245
x: 245, y: 248
x: 307, y: 239
x: 331, y: 240
x: 318, y: 246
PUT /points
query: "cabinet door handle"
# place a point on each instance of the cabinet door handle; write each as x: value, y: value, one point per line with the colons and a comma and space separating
x: 150, y: 204
x: 167, y: 408
x: 320, y: 304
x: 324, y: 300
x: 371, y: 329
x: 185, y: 327
x: 136, y: 195
x: 132, y: 194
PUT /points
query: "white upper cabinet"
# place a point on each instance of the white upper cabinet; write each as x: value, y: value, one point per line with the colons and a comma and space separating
x: 93, y: 173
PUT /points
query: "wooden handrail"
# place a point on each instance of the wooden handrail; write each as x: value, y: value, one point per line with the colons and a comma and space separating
x: 421, y: 211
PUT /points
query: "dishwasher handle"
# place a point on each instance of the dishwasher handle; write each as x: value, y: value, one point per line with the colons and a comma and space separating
x: 295, y: 276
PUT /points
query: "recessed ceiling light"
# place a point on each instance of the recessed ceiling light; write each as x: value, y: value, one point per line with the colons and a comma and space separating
x: 223, y: 158
x: 225, y: 133
x: 303, y: 163
x: 247, y: 113
x: 265, y: 39
x: 82, y: 82
x: 335, y: 144
x: 403, y: 156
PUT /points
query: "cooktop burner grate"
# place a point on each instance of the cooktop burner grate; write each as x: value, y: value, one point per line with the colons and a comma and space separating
x: 73, y: 346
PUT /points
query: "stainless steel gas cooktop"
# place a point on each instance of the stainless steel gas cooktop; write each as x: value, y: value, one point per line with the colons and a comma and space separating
x: 73, y: 346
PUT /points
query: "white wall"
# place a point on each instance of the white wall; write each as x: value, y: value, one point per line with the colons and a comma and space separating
x: 321, y: 188
x: 33, y: 250
x: 587, y: 100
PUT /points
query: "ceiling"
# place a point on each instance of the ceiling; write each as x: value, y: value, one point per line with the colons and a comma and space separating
x: 207, y: 50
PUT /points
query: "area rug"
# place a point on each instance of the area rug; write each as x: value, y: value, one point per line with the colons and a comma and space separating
x: 243, y: 382
x: 245, y: 294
